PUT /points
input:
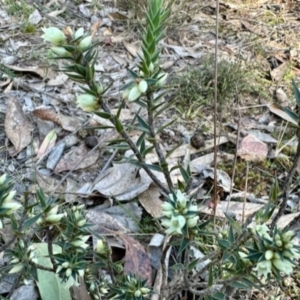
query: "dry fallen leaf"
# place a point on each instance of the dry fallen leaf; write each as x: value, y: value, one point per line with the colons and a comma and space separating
x: 70, y: 161
x: 17, y: 126
x: 136, y: 259
x: 151, y: 202
x: 46, y: 114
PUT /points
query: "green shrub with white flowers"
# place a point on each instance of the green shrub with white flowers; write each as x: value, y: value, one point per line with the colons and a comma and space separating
x: 233, y: 255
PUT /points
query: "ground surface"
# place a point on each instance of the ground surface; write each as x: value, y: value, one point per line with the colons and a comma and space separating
x: 258, y: 56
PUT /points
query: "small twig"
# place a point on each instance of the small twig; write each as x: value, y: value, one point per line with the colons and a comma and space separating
x: 245, y: 193
x: 109, y: 162
x: 235, y: 154
x: 215, y: 200
x: 41, y: 267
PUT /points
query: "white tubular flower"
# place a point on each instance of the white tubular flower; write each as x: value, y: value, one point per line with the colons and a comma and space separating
x: 181, y: 199
x: 100, y: 247
x: 103, y: 290
x: 166, y: 206
x: 143, y: 86
x: 262, y: 230
x: 137, y: 294
x: 80, y: 272
x: 53, y: 210
x: 54, y: 219
x: 17, y: 268
x: 283, y: 265
x: 79, y: 33
x: 60, y: 51
x: 53, y: 35
x: 11, y: 207
x: 176, y: 225
x: 87, y: 102
x: 263, y: 268
x: 3, y: 178
x: 85, y: 43
x: 291, y: 253
x: 81, y: 223
x: 134, y: 93
x: 162, y: 80
x: 65, y: 265
x: 269, y: 254
x: 192, y: 222
x: 287, y: 236
x: 9, y: 197
x: 144, y: 290
x: 68, y: 272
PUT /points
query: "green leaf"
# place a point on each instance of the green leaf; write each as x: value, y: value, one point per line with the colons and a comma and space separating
x: 133, y: 74
x: 184, y: 243
x: 30, y: 222
x: 231, y: 238
x: 210, y: 276
x: 173, y: 149
x: 296, y: 92
x: 291, y: 114
x: 180, y: 184
x: 178, y: 267
x: 140, y: 139
x: 159, y: 130
x: 164, y: 108
x: 238, y: 285
x: 192, y: 264
x: 219, y: 296
x: 103, y: 114
x: 143, y: 124
x: 89, y: 91
x: 120, y: 108
x: 148, y: 150
x: 185, y: 174
x: 274, y: 192
x: 224, y: 244
x: 42, y: 198
x: 151, y: 167
x: 119, y: 126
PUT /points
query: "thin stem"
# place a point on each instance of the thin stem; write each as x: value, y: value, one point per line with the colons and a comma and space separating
x: 215, y: 200
x: 158, y: 150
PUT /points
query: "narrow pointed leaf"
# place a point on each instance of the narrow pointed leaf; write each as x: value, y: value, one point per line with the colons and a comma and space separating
x: 296, y: 92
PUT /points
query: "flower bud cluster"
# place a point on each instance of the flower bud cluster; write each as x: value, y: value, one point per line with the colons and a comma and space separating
x: 279, y: 251
x: 131, y: 288
x: 7, y: 205
x: 21, y: 256
x: 178, y: 213
x: 61, y: 40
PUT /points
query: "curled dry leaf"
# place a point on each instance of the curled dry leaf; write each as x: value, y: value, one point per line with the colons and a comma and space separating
x: 17, y: 127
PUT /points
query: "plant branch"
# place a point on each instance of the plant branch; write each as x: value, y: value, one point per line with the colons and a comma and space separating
x: 158, y: 150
